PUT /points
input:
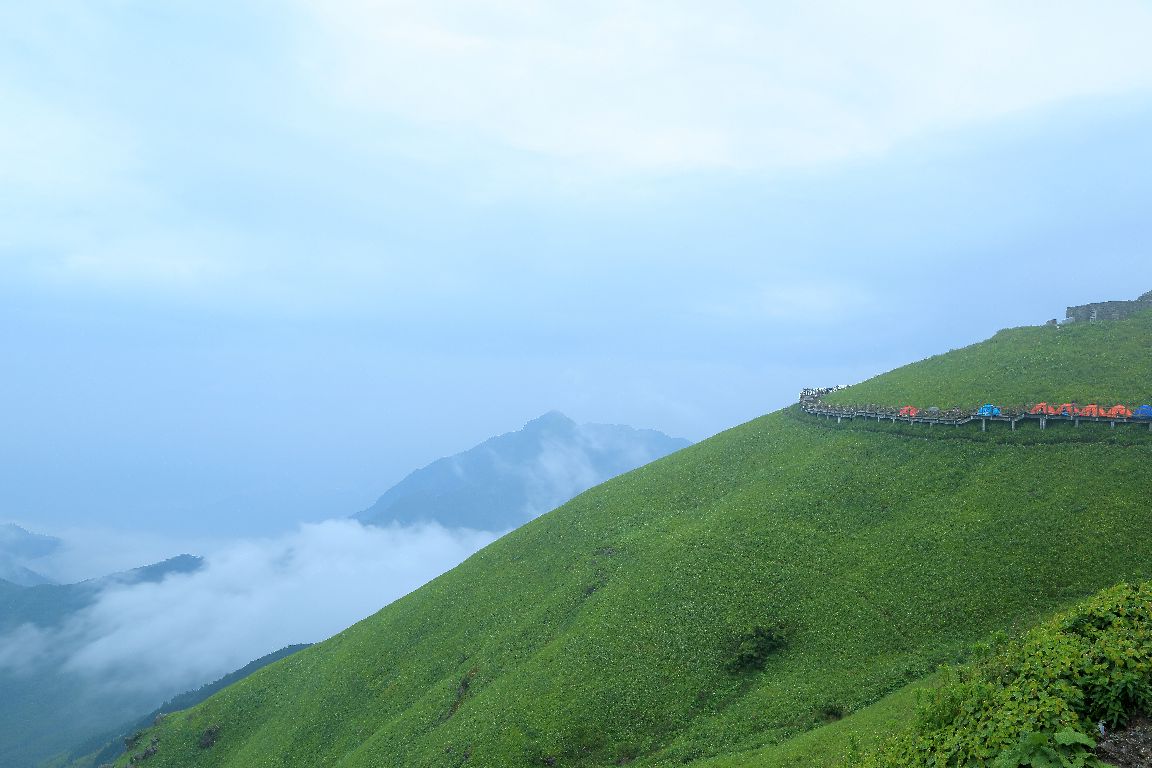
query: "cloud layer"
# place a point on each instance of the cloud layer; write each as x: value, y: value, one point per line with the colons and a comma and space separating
x: 698, y: 85
x: 252, y: 597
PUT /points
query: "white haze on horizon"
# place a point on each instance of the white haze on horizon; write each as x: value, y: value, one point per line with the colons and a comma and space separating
x: 563, y: 469
x: 251, y: 597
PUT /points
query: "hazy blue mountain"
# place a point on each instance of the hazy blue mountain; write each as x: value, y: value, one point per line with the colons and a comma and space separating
x: 507, y: 480
x: 15, y: 573
x: 45, y: 708
x: 49, y: 605
x: 157, y: 572
x: 17, y: 548
x: 18, y: 542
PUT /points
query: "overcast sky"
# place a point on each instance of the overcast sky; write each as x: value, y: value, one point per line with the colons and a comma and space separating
x: 259, y: 260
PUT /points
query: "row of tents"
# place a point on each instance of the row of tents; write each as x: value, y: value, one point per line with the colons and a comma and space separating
x: 1070, y: 410
x: 1092, y: 411
x: 1063, y: 409
x: 811, y: 399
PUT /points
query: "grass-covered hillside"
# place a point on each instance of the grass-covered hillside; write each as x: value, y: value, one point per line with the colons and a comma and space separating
x: 727, y: 600
x: 1105, y: 362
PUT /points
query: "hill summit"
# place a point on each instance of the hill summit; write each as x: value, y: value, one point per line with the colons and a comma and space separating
x: 1109, y: 310
x: 509, y: 479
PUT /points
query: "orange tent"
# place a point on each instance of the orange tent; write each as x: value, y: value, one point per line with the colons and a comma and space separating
x: 909, y: 410
x: 1090, y: 410
x: 1119, y: 412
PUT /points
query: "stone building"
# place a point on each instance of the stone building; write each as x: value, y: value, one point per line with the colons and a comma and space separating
x: 1109, y: 310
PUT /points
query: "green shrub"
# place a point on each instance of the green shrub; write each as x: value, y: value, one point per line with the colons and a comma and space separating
x: 1066, y: 749
x: 1035, y: 701
x: 755, y: 646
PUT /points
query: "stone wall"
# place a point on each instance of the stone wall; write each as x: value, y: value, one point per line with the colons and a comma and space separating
x: 1109, y: 310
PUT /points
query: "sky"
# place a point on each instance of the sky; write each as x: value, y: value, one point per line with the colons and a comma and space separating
x: 258, y: 260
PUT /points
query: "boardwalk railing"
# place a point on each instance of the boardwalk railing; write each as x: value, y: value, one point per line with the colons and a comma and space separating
x: 812, y: 403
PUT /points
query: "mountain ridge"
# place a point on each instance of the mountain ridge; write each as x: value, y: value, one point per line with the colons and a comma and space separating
x: 17, y: 547
x: 510, y: 478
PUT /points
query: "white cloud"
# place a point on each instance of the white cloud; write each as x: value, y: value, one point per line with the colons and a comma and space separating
x: 25, y: 647
x: 90, y: 187
x: 793, y: 301
x: 70, y: 188
x: 152, y: 256
x: 561, y: 471
x: 695, y: 85
x: 250, y: 598
x: 46, y: 149
x: 232, y: 171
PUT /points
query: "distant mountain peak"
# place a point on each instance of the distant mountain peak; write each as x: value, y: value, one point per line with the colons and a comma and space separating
x: 509, y: 479
x: 14, y: 573
x: 18, y: 541
x: 550, y: 420
x: 18, y: 546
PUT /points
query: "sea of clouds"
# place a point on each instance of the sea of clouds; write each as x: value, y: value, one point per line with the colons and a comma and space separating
x: 249, y: 598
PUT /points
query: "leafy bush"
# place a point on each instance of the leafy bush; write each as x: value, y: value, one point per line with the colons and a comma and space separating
x: 755, y: 646
x: 831, y: 711
x: 1066, y: 749
x: 208, y: 738
x: 1035, y: 701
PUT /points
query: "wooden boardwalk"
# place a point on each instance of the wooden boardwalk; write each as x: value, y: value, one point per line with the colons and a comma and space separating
x: 817, y: 407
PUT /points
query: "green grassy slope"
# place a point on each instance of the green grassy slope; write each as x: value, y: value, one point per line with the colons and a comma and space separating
x: 604, y: 632
x: 1091, y: 662
x: 1068, y: 363
x: 841, y: 743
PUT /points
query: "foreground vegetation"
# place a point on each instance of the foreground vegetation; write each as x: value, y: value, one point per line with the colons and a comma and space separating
x: 720, y: 604
x: 1037, y: 699
x: 1042, y: 700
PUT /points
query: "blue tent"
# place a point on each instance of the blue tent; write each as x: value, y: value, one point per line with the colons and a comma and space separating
x: 988, y: 410
x: 1143, y: 412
